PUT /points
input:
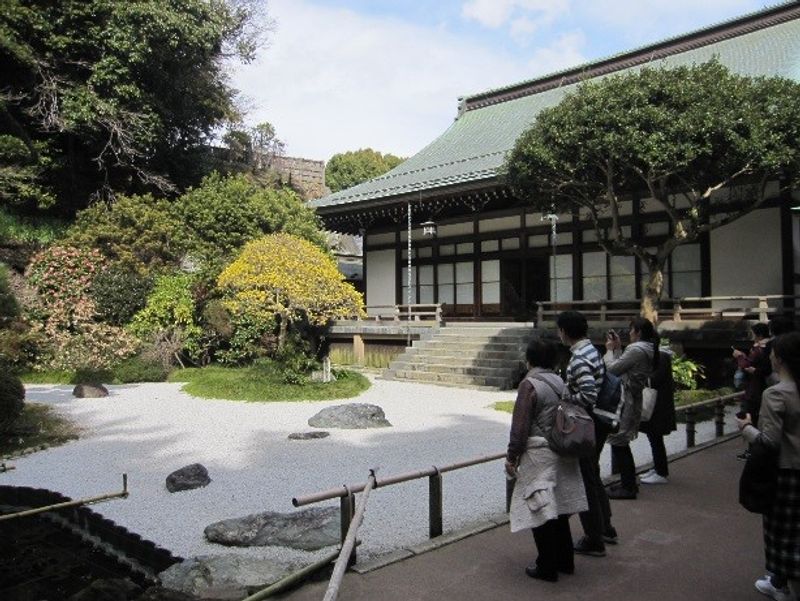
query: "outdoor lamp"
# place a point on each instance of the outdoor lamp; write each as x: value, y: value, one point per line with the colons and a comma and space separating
x: 429, y: 229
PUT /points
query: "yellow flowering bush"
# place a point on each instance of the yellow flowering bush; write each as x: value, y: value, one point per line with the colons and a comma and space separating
x: 283, y: 276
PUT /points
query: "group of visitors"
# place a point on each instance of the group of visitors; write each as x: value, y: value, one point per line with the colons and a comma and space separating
x: 550, y: 486
x: 770, y: 418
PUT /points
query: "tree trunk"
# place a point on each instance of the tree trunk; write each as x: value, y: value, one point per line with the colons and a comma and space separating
x: 652, y: 292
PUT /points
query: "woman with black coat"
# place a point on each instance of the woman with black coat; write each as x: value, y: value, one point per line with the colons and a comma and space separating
x: 662, y: 422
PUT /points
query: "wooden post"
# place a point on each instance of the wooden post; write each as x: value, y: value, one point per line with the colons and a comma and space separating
x: 358, y: 349
x: 719, y: 419
x: 763, y: 309
x: 690, y: 428
x: 435, y: 522
x: 676, y: 310
x: 603, y: 308
x: 347, y: 507
x: 539, y: 314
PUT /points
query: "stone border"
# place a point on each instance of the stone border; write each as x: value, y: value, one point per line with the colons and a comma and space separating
x: 501, y: 519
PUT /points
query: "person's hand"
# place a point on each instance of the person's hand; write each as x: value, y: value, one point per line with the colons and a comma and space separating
x: 612, y: 340
x: 511, y: 468
x: 742, y: 422
x: 750, y: 370
x: 737, y: 353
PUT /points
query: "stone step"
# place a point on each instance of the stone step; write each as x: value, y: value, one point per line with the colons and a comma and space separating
x: 506, y: 371
x: 468, y: 333
x: 473, y: 355
x: 389, y: 375
x: 461, y: 360
x: 452, y: 378
x: 467, y: 345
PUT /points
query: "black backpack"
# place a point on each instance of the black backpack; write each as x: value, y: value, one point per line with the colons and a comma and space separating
x: 609, y: 400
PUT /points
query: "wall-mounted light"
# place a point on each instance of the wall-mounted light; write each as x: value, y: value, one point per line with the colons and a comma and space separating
x: 429, y: 229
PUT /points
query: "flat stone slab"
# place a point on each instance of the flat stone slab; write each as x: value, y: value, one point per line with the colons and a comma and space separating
x: 188, y: 477
x: 308, y: 435
x: 226, y: 576
x: 352, y: 416
x: 308, y: 530
x: 90, y: 391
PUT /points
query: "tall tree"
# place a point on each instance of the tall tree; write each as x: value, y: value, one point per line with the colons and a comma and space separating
x: 101, y: 96
x: 708, y: 145
x: 347, y: 169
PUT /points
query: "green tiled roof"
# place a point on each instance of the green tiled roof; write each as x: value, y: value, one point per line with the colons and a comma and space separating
x: 473, y: 148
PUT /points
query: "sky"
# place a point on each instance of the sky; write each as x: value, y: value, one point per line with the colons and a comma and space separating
x: 339, y: 75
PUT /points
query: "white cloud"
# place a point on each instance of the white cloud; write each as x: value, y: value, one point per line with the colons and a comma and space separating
x: 567, y: 51
x: 525, y: 16
x: 333, y: 80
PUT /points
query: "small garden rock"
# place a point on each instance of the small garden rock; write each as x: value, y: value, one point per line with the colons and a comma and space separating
x: 352, y: 416
x: 187, y: 478
x: 308, y: 435
x: 308, y: 530
x: 223, y: 576
x: 90, y: 391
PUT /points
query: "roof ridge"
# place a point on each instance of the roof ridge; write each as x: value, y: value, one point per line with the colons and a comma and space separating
x: 730, y: 28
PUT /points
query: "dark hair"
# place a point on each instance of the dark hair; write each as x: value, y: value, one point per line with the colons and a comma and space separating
x: 542, y: 353
x: 761, y: 330
x: 573, y: 323
x: 647, y: 333
x: 787, y: 348
x: 781, y: 325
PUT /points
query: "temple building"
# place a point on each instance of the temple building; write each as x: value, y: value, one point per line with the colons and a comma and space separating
x: 491, y: 257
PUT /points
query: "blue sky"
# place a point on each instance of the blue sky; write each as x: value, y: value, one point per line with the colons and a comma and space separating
x: 340, y: 75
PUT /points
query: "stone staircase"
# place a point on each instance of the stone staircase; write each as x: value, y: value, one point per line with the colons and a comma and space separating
x: 482, y: 355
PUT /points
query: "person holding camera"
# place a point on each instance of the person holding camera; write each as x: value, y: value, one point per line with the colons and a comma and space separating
x: 634, y: 366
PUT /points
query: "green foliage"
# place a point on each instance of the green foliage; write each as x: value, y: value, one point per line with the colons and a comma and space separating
x: 140, y: 368
x: 504, y: 406
x: 687, y: 397
x: 119, y: 293
x: 686, y: 372
x: 296, y: 359
x: 9, y: 308
x: 171, y: 308
x: 38, y: 426
x: 12, y: 399
x: 347, y: 169
x: 224, y: 213
x: 37, y: 229
x: 263, y: 382
x: 142, y: 232
x: 690, y: 130
x: 19, y: 347
x: 105, y: 96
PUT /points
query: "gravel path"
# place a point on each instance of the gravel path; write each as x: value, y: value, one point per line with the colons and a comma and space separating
x: 150, y: 430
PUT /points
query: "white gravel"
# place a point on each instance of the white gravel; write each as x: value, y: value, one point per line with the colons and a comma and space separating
x: 150, y: 430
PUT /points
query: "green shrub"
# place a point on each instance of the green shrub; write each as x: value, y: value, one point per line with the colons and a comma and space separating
x: 19, y: 347
x: 170, y: 314
x: 140, y: 369
x: 12, y: 399
x: 224, y: 213
x: 119, y: 293
x: 686, y: 372
x: 140, y: 231
x: 17, y: 229
x: 9, y: 308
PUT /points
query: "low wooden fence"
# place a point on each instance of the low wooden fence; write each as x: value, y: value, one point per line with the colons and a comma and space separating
x: 396, y: 313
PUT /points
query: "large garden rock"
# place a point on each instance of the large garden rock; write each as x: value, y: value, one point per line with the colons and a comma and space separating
x: 187, y: 478
x: 90, y: 391
x: 223, y: 576
x: 352, y: 416
x: 309, y: 530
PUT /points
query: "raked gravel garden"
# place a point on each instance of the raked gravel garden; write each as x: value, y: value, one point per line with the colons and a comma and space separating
x: 150, y: 430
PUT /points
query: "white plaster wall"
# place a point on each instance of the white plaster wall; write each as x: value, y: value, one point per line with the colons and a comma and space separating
x: 384, y: 238
x: 499, y: 223
x: 746, y: 256
x: 456, y: 229
x: 381, y: 278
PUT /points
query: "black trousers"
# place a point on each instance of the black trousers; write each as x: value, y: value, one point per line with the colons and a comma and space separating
x: 597, y: 519
x: 554, y: 544
x: 623, y: 458
x: 659, y: 454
